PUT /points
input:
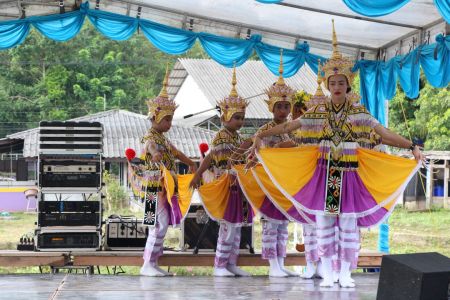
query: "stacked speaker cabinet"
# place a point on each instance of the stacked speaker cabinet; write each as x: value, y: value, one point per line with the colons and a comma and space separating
x: 198, y: 230
x: 415, y: 276
x: 70, y: 186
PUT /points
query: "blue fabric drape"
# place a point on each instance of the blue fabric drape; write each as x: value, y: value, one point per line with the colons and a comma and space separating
x: 378, y: 81
x: 113, y: 26
x: 443, y: 6
x: 378, y: 78
x: 168, y: 39
x: 375, y: 78
x: 12, y: 33
x: 269, y: 1
x: 372, y: 8
x: 227, y: 51
x: 435, y: 61
x: 293, y: 60
x: 67, y: 25
x: 408, y: 71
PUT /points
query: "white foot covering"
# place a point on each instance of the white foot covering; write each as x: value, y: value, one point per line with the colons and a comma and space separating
x: 163, y: 271
x: 327, y: 283
x: 151, y: 271
x: 238, y: 271
x: 310, y: 270
x: 327, y: 270
x: 319, y: 271
x: 277, y: 273
x: 345, y: 279
x: 335, y: 276
x: 346, y: 282
x: 222, y: 272
x: 290, y: 273
x: 275, y: 270
x: 284, y: 269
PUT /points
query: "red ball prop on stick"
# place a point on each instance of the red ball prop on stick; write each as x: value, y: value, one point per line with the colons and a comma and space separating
x: 130, y: 153
x: 204, y: 148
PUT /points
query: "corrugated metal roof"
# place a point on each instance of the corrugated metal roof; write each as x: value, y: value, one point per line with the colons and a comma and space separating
x: 124, y: 129
x: 253, y: 78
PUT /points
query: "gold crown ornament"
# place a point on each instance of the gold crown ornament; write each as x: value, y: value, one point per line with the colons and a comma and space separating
x: 319, y: 97
x: 233, y: 103
x: 279, y: 91
x: 337, y: 64
x: 162, y: 106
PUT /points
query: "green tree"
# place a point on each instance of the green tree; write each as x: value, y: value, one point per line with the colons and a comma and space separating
x: 46, y: 80
x: 427, y: 117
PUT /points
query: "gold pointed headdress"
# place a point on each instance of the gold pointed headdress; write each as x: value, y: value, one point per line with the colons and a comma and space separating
x: 337, y: 64
x: 319, y: 97
x: 279, y: 91
x: 233, y: 103
x: 162, y: 106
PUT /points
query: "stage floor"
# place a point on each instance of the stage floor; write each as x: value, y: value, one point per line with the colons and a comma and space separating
x: 86, y: 287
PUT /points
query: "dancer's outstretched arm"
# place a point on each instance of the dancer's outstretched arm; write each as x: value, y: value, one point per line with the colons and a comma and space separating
x: 393, y: 139
x: 279, y: 129
x: 186, y: 160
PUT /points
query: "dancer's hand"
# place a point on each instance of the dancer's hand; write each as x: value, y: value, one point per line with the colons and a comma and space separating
x: 192, y: 168
x: 250, y: 164
x: 257, y: 142
x: 195, y: 182
x: 285, y: 144
x: 418, y: 155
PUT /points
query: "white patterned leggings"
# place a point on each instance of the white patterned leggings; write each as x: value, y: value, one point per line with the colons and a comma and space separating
x: 344, y: 245
x: 274, y: 239
x: 310, y: 241
x: 228, y: 243
x: 154, y: 245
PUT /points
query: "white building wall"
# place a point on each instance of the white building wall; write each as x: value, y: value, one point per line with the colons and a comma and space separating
x: 191, y: 100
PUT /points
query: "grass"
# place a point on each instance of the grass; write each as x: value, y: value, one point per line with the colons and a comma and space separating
x: 410, y: 232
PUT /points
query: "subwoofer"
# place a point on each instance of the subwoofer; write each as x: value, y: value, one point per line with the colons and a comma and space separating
x: 195, y: 223
x: 414, y: 276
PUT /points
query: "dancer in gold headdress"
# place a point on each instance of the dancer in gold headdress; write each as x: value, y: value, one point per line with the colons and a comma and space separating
x: 222, y: 198
x: 341, y: 180
x: 157, y: 180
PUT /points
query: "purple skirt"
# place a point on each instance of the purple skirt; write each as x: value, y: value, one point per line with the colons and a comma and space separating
x: 175, y: 213
x: 355, y: 201
x: 238, y: 210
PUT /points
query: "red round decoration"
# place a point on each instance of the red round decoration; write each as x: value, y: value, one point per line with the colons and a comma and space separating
x: 130, y: 153
x: 204, y: 147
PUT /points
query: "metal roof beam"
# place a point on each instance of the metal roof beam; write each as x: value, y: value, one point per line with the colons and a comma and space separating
x: 328, y: 12
x: 7, y: 15
x: 405, y: 36
x: 257, y: 28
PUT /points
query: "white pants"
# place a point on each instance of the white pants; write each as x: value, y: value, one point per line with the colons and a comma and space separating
x: 228, y: 243
x: 310, y: 241
x: 274, y: 239
x: 344, y: 245
x: 154, y: 245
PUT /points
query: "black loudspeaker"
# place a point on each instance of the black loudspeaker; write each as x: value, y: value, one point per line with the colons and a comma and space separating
x: 414, y: 276
x: 196, y: 221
